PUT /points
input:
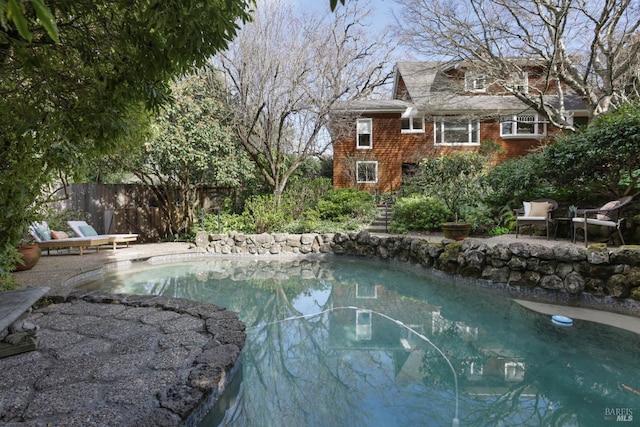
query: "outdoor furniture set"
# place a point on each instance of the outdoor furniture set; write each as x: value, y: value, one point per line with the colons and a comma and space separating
x: 85, y: 236
x: 539, y: 213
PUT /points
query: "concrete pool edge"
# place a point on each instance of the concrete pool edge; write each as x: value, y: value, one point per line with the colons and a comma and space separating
x: 617, y: 320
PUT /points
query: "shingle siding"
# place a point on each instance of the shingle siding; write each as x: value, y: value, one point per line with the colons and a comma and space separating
x: 432, y: 89
x: 392, y: 148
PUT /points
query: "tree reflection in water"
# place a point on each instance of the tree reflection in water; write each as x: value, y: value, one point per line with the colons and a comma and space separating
x: 350, y: 367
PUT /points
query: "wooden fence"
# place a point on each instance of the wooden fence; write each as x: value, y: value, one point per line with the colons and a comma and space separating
x: 127, y: 208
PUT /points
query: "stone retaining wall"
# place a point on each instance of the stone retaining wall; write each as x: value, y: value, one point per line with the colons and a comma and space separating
x: 565, y: 268
x: 264, y: 244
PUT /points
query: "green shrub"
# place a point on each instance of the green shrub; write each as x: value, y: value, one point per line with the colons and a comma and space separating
x: 516, y: 180
x: 603, y: 158
x: 310, y: 205
x: 418, y: 212
x: 346, y: 203
x: 265, y: 214
x: 480, y: 218
x: 498, y: 231
x: 228, y: 222
x: 303, y: 194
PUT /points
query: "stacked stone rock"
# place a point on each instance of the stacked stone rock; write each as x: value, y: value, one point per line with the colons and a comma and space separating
x: 568, y: 269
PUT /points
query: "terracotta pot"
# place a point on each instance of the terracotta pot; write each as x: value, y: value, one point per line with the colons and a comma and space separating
x: 30, y: 255
x: 456, y: 230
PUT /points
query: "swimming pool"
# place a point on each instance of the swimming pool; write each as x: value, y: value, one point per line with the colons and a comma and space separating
x: 341, y: 341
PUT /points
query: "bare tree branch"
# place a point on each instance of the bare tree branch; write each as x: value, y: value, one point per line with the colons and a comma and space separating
x: 590, y: 48
x: 286, y: 72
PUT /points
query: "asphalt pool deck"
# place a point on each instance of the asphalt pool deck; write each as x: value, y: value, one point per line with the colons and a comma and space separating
x: 117, y: 360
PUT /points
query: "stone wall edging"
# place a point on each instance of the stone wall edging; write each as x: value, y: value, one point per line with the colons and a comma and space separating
x: 594, y: 275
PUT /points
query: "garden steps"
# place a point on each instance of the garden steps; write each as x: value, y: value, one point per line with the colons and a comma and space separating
x: 383, y: 219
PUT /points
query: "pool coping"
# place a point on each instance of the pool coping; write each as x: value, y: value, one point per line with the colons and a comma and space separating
x: 608, y: 318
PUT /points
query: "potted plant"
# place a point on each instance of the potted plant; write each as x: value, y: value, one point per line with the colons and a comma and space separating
x: 28, y: 256
x: 455, y: 179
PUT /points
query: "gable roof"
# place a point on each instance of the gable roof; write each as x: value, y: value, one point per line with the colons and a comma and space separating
x: 426, y: 87
x: 418, y: 78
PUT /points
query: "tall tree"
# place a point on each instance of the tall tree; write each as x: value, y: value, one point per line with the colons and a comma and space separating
x: 286, y: 71
x: 192, y: 146
x: 590, y: 47
x: 64, y: 104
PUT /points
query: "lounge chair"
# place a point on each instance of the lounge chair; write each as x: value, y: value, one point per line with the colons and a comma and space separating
x: 536, y: 212
x: 82, y: 229
x: 605, y: 216
x: 45, y: 239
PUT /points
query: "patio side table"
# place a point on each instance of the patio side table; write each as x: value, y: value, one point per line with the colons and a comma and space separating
x: 568, y: 221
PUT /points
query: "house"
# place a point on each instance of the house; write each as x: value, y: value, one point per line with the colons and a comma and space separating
x: 437, y: 107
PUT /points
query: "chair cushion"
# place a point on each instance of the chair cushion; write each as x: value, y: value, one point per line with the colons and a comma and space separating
x: 43, y: 232
x: 607, y: 207
x: 531, y: 218
x: 88, y: 231
x: 539, y: 209
x: 594, y: 221
x: 58, y: 235
x: 527, y: 208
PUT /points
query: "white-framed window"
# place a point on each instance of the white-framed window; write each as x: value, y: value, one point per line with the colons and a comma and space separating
x: 412, y: 125
x: 449, y: 131
x: 475, y: 82
x: 364, y: 129
x: 522, y: 126
x: 519, y: 82
x: 367, y: 172
x: 411, y: 122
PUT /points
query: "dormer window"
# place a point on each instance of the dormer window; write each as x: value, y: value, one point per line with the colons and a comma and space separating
x: 475, y: 82
x: 519, y: 82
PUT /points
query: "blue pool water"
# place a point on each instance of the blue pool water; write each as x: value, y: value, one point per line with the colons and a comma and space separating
x: 340, y: 341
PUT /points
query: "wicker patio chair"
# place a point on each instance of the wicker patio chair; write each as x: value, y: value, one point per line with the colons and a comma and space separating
x: 608, y: 216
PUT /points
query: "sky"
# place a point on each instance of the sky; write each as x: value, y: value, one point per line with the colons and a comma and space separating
x: 381, y: 9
